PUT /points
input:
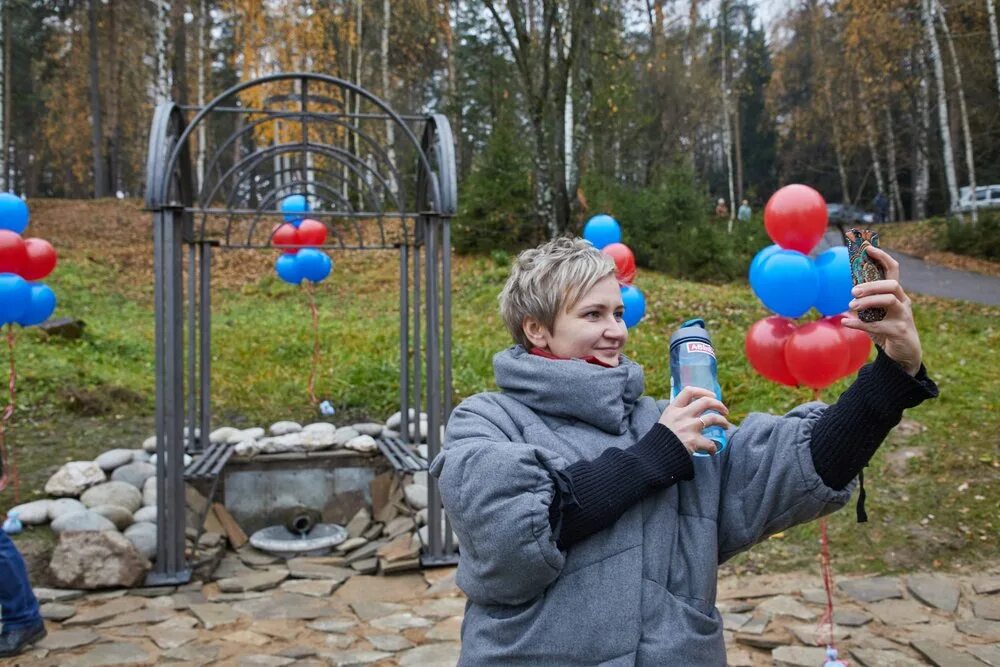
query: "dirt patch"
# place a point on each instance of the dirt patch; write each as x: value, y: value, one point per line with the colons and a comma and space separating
x: 104, y: 400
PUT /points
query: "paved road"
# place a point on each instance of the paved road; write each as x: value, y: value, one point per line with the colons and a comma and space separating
x: 919, y: 277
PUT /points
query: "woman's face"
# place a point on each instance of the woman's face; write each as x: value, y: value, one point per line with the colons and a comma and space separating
x: 591, y: 326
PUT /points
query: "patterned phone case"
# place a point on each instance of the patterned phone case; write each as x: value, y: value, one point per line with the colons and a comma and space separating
x: 863, y: 269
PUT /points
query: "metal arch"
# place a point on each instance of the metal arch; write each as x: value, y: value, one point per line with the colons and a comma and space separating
x: 444, y: 150
x: 164, y: 140
x: 383, y: 156
x: 305, y: 76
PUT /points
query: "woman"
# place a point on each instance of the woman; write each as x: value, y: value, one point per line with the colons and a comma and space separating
x: 589, y: 532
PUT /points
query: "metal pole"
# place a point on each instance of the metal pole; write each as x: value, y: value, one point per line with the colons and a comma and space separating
x: 160, y: 351
x: 404, y: 334
x: 205, y: 341
x: 433, y: 382
x: 192, y: 356
x: 433, y: 496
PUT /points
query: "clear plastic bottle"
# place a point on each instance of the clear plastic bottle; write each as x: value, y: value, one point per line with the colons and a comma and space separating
x: 692, y: 364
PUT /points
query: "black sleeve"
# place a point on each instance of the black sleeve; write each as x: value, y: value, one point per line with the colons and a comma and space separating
x: 847, y: 434
x: 591, y: 495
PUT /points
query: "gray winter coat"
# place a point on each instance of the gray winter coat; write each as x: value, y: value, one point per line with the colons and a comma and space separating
x: 641, y: 592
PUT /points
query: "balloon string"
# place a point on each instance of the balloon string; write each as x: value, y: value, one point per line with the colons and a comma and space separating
x: 827, y: 619
x: 315, y: 356
x: 7, y: 460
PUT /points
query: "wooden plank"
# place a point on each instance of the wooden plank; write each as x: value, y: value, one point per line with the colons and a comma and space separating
x: 237, y: 538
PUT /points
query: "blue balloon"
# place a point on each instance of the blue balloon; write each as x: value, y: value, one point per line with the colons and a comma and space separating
x: 313, y: 264
x: 759, y: 259
x: 15, y: 294
x: 787, y: 283
x: 41, y: 304
x: 288, y: 269
x: 13, y: 213
x: 294, y: 207
x: 835, y: 283
x: 602, y: 230
x: 635, y: 305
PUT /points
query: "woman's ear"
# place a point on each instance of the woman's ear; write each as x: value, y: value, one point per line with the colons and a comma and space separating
x: 536, y: 332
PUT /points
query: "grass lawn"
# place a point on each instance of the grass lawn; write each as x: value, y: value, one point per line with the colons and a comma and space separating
x: 78, y: 398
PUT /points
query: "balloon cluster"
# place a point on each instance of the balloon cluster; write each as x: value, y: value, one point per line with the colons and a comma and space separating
x: 605, y: 234
x: 22, y: 262
x: 296, y: 237
x: 790, y: 283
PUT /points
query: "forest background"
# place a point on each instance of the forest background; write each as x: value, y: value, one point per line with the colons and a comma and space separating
x: 650, y: 108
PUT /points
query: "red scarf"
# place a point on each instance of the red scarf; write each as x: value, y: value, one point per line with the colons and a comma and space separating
x: 548, y: 355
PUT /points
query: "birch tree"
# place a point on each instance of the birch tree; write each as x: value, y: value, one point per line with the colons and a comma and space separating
x: 963, y: 114
x: 5, y: 72
x: 96, y: 123
x: 390, y: 126
x: 161, y: 85
x: 927, y: 13
x: 994, y: 40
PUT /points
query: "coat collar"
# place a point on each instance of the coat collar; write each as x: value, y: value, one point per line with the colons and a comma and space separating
x: 600, y: 396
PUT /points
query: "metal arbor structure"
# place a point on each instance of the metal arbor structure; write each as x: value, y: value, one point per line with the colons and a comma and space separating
x: 216, y: 182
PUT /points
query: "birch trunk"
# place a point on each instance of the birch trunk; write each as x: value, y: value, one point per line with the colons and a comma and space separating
x: 96, y: 126
x: 358, y: 64
x: 994, y: 39
x: 949, y: 154
x: 870, y: 136
x: 5, y: 71
x: 895, y: 201
x: 966, y: 133
x: 726, y: 130
x: 390, y: 127
x: 921, y: 161
x: 162, y: 84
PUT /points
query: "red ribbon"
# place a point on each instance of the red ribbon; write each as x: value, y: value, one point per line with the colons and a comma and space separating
x: 7, y: 459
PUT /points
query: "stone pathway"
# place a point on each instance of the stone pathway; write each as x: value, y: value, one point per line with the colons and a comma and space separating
x: 278, y: 618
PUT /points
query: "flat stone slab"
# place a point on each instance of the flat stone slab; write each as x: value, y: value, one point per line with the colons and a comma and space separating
x: 56, y: 594
x: 264, y: 660
x: 194, y: 653
x: 812, y: 635
x: 785, y: 605
x: 734, y: 621
x: 368, y: 611
x: 431, y: 655
x: 987, y: 608
x: 143, y: 616
x: 213, y: 615
x: 248, y: 638
x: 284, y: 605
x: 441, y: 608
x: 390, y: 643
x: 319, y: 588
x: 934, y: 591
x: 254, y: 581
x: 388, y: 589
x: 305, y: 568
x: 944, y: 656
x: 872, y: 657
x: 756, y: 625
x: 990, y: 654
x: 872, y: 589
x: 986, y: 585
x: 798, y: 656
x: 56, y: 611
x: 899, y: 612
x: 450, y: 629
x: 93, y: 615
x: 851, y: 618
x: 66, y: 639
x: 115, y: 653
x: 978, y: 627
x: 400, y: 622
x: 170, y: 638
x: 334, y: 625
x: 353, y: 657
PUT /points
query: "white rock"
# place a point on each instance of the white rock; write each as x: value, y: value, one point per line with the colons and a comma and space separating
x: 290, y: 442
x: 79, y: 522
x: 140, y: 455
x: 422, y: 450
x: 247, y: 448
x: 343, y: 435
x: 254, y: 433
x: 321, y: 427
x: 61, y: 506
x: 396, y: 419
x: 421, y: 435
x: 362, y: 443
x: 155, y: 457
x: 122, y: 494
x: 33, y: 513
x: 146, y: 515
x: 114, y: 458
x: 149, y: 492
x: 368, y: 428
x: 119, y: 516
x: 316, y: 439
x: 135, y: 474
x: 425, y: 535
x: 420, y: 478
x: 421, y: 517
x: 222, y: 434
x: 389, y: 433
x: 74, y: 478
x: 284, y: 428
x: 149, y: 444
x: 143, y: 538
x: 416, y: 496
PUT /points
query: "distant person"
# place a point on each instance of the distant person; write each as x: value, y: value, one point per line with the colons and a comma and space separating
x: 881, y: 206
x: 22, y: 622
x: 744, y: 212
x: 721, y: 210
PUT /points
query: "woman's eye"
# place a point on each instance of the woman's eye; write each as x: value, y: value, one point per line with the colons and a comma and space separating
x: 593, y: 314
x: 619, y: 314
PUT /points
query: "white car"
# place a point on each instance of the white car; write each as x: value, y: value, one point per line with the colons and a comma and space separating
x: 987, y: 196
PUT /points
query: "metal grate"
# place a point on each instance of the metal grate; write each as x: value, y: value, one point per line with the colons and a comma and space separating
x: 208, y: 466
x: 402, y: 457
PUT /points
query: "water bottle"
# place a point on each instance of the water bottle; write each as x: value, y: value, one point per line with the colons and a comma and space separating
x: 692, y: 364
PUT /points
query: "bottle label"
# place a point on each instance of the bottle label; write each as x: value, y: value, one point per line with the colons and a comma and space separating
x: 700, y: 347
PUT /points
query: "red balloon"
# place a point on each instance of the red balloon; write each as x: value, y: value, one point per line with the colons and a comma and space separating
x: 859, y: 343
x: 817, y: 354
x: 13, y: 254
x: 312, y: 233
x: 795, y: 217
x: 286, y: 237
x: 41, y: 259
x: 624, y: 261
x: 765, y: 346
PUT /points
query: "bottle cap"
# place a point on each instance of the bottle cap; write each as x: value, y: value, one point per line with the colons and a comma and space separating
x: 693, y: 329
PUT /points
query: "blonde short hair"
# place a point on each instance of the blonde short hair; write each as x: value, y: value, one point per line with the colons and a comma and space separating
x: 550, y: 278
